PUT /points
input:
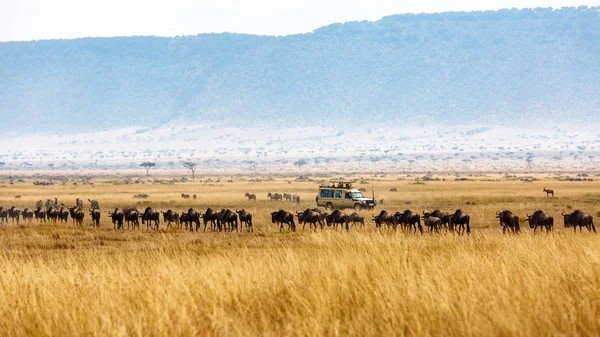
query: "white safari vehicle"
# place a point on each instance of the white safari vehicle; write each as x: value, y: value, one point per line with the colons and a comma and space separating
x: 341, y: 194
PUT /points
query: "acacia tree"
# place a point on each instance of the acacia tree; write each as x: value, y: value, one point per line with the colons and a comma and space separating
x: 190, y: 165
x: 147, y: 165
x: 300, y: 163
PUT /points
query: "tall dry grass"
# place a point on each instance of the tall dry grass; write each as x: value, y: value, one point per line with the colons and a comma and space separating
x: 58, y: 280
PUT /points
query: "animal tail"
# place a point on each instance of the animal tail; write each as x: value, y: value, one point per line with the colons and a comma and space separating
x: 468, y: 225
x: 592, y: 224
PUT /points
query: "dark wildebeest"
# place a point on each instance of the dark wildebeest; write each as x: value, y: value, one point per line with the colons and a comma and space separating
x: 409, y: 219
x: 183, y: 220
x: 170, y: 216
x: 95, y: 213
x: 338, y: 217
x: 14, y: 213
x: 356, y: 218
x: 72, y: 211
x: 63, y: 215
x: 149, y: 217
x: 79, y: 203
x: 322, y: 214
x: 310, y: 216
x: 385, y: 218
x: 549, y: 192
x: 212, y: 216
x: 40, y: 215
x: 185, y: 196
x: 540, y: 219
x: 117, y: 218
x: 444, y: 216
x: 193, y: 217
x: 228, y: 219
x: 459, y: 220
x: 27, y: 215
x: 432, y: 222
x: 78, y: 215
x: 94, y: 204
x: 132, y: 216
x: 3, y: 215
x: 245, y: 218
x: 275, y: 196
x: 581, y: 219
x: 283, y: 217
x: 250, y: 196
x: 52, y: 214
x: 393, y: 189
x: 508, y: 221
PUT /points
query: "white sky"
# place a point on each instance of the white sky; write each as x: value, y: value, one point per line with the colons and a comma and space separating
x: 48, y: 19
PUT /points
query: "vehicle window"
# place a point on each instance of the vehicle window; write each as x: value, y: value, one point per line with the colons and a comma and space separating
x: 326, y: 193
x: 338, y: 194
x: 357, y: 195
x: 347, y: 195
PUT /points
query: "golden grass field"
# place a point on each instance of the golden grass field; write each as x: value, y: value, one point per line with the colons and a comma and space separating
x: 59, y: 280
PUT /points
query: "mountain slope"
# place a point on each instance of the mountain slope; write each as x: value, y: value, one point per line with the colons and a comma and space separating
x: 498, y: 67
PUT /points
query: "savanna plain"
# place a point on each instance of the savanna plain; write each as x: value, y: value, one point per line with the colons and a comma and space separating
x: 63, y: 280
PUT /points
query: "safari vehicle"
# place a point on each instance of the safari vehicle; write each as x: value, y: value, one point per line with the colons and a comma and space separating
x: 341, y: 194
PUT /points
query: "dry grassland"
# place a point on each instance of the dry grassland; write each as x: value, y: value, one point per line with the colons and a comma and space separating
x: 58, y: 280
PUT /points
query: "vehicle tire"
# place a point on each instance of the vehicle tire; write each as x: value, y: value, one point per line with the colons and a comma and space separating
x: 357, y: 207
x: 329, y: 206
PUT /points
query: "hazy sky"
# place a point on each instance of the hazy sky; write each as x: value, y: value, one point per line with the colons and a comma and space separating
x: 45, y: 19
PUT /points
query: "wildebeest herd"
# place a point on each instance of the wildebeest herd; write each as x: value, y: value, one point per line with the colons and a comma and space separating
x: 229, y: 220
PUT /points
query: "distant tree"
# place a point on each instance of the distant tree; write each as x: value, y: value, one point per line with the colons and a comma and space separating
x: 147, y: 165
x: 300, y: 163
x: 529, y: 161
x: 190, y: 165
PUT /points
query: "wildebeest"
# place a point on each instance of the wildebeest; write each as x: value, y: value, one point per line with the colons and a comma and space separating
x: 212, y: 216
x: 117, y: 218
x: 228, y: 219
x: 78, y: 215
x: 150, y: 217
x: 540, y: 219
x: 14, y: 214
x: 245, y: 218
x: 393, y: 189
x: 183, y: 220
x: 432, y: 222
x: 508, y: 221
x: 549, y: 192
x: 79, y: 203
x: 132, y: 216
x: 94, y: 204
x: 283, y: 217
x: 310, y: 216
x: 250, y: 196
x: 409, y: 219
x: 444, y: 217
x: 322, y: 214
x: 169, y: 217
x: 52, y: 214
x: 356, y: 218
x: 581, y: 219
x: 95, y: 213
x: 3, y: 215
x: 385, y: 218
x: 459, y: 220
x: 40, y: 215
x: 27, y: 215
x: 275, y: 196
x: 338, y: 217
x: 193, y: 217
x: 185, y: 196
